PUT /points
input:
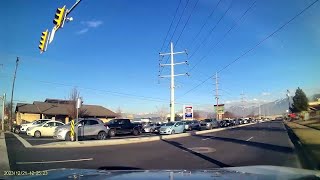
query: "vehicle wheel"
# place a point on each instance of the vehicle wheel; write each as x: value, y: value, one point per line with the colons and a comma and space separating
x: 102, y: 135
x: 184, y: 131
x: 68, y: 136
x: 17, y: 131
x: 135, y: 132
x: 112, y: 132
x: 172, y: 132
x: 37, y: 134
x: 210, y: 127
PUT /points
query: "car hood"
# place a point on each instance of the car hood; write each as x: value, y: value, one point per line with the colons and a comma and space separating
x: 246, y: 172
x: 66, y: 126
x: 26, y: 124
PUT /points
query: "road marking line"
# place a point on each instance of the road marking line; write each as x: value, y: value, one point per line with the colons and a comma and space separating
x: 23, y: 141
x: 206, y: 139
x: 47, y: 162
x: 249, y: 139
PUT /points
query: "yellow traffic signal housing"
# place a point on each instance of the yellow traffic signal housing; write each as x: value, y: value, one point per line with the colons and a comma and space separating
x: 44, y: 41
x: 59, y: 17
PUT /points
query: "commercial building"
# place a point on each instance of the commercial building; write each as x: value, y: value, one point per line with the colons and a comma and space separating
x: 59, y: 110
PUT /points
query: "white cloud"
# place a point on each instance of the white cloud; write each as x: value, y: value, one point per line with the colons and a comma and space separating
x: 266, y: 94
x: 82, y: 31
x: 88, y: 25
x: 92, y: 24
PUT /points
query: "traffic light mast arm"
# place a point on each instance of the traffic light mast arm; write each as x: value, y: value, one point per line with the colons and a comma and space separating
x: 69, y: 10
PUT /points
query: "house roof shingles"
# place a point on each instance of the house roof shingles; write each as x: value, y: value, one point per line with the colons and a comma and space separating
x: 62, y: 109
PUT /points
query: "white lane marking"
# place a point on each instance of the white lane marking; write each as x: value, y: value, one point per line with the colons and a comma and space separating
x: 23, y: 141
x: 41, y: 139
x: 206, y: 139
x: 249, y: 139
x: 47, y: 162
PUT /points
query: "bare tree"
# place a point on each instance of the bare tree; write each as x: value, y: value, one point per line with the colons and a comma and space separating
x: 119, y: 112
x: 72, y: 110
x: 211, y: 115
x: 162, y: 112
x: 196, y: 115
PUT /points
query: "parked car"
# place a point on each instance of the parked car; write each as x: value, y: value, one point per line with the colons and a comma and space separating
x: 123, y: 126
x: 45, y: 129
x: 87, y: 128
x: 209, y: 124
x: 23, y: 127
x: 194, y: 125
x: 151, y: 128
x: 224, y: 123
x: 172, y: 128
x: 186, y: 124
x: 16, y: 128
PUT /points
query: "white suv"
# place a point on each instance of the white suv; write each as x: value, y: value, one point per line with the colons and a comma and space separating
x: 24, y: 127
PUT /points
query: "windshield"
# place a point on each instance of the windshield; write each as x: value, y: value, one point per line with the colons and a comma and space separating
x: 169, y: 124
x: 159, y: 84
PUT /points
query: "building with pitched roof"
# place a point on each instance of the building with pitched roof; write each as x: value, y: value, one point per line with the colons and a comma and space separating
x: 59, y: 110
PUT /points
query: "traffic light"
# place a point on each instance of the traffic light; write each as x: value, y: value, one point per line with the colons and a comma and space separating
x: 44, y: 41
x: 59, y: 17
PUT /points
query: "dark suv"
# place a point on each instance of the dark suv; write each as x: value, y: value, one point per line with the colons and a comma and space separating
x: 123, y: 126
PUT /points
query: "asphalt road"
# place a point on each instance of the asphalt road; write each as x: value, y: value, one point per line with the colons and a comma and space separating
x: 259, y: 144
x: 44, y: 140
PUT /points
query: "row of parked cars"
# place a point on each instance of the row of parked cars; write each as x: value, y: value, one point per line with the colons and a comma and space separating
x: 97, y: 129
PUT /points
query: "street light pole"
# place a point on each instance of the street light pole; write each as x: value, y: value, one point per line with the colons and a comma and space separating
x: 11, y: 104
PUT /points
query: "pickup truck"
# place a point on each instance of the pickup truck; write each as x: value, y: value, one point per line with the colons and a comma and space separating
x: 123, y: 126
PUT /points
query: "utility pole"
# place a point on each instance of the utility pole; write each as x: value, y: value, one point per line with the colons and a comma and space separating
x: 217, y: 96
x: 172, y: 75
x: 259, y: 110
x: 288, y: 95
x: 11, y: 104
x: 3, y: 109
x: 242, y: 102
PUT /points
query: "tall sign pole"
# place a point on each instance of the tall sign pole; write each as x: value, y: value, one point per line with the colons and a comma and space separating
x: 78, y: 107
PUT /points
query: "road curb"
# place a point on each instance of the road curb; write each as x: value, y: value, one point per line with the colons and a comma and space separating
x: 4, y: 160
x: 305, y: 155
x: 110, y: 142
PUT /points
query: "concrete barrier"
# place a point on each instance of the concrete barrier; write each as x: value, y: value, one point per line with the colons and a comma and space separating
x: 109, y: 142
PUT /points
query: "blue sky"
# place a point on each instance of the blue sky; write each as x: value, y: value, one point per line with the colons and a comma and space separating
x: 110, y: 51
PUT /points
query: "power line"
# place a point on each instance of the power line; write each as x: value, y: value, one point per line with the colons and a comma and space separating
x: 257, y: 45
x: 224, y: 36
x: 174, y: 17
x: 194, y: 7
x: 211, y: 31
x: 266, y: 38
x: 206, y: 21
x: 185, y: 7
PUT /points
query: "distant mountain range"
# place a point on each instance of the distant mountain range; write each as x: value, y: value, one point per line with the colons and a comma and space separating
x: 271, y: 108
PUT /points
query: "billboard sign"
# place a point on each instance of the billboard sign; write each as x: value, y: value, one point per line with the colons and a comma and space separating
x: 187, y: 112
x: 219, y: 109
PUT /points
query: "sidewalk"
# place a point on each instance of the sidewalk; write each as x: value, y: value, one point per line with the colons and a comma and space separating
x: 309, y: 138
x: 313, y: 123
x: 4, y: 161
